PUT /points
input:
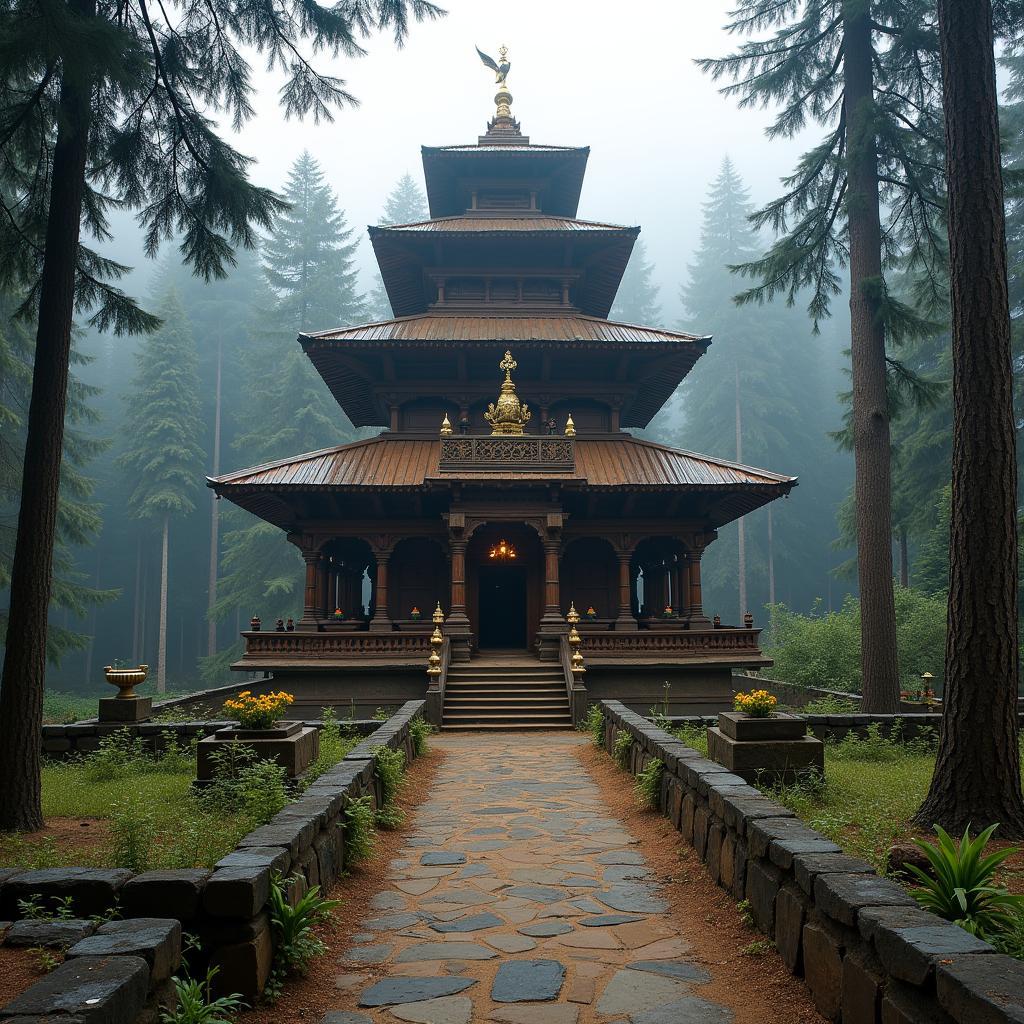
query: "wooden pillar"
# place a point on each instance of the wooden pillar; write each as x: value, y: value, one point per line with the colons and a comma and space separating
x: 625, y: 620
x: 684, y: 585
x: 381, y: 623
x: 696, y: 600
x: 552, y: 598
x: 457, y: 626
x: 314, y: 584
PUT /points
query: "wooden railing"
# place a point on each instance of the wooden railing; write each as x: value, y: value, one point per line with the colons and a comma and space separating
x: 298, y: 645
x: 681, y: 643
x: 574, y: 688
x: 434, y: 709
x: 504, y: 452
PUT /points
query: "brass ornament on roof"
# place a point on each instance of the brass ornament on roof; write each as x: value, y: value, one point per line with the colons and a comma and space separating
x: 508, y: 415
x: 501, y: 68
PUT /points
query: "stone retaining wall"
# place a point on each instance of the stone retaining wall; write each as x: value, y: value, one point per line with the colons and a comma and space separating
x: 867, y: 952
x: 224, y: 907
x: 837, y: 727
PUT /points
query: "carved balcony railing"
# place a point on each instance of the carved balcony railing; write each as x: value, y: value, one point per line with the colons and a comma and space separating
x: 497, y: 452
x: 719, y: 644
x: 300, y: 646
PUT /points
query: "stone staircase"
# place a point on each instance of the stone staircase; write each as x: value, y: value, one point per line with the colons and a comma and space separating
x: 506, y: 692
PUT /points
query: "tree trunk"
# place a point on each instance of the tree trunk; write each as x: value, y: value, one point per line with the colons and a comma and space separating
x: 741, y: 540
x: 137, y: 604
x: 871, y: 444
x: 977, y: 771
x: 24, y: 674
x: 161, y: 656
x: 904, y: 560
x: 211, y: 600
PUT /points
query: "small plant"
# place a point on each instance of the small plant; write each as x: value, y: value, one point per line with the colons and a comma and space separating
x: 829, y: 704
x: 45, y: 960
x: 390, y: 767
x: 962, y: 889
x: 693, y: 735
x: 194, y: 1003
x: 242, y: 781
x: 296, y: 946
x: 357, y: 825
x: 666, y: 686
x: 420, y: 729
x: 117, y: 755
x: 648, y: 785
x: 757, y: 703
x: 381, y: 715
x: 258, y: 712
x: 757, y: 948
x: 594, y: 724
x: 63, y: 908
x: 133, y: 833
x: 622, y: 750
x: 745, y: 915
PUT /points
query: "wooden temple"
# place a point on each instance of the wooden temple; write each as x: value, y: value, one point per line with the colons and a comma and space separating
x: 505, y: 487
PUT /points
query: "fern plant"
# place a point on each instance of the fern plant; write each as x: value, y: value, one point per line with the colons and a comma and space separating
x: 420, y: 729
x: 390, y: 766
x: 194, y: 1003
x: 648, y: 785
x: 962, y: 889
x: 357, y: 825
x: 622, y: 749
x: 594, y: 724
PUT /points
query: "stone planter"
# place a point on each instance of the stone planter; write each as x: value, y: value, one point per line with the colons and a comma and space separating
x: 765, y: 751
x: 292, y: 745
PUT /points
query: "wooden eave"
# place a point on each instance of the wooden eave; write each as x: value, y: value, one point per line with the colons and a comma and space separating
x: 562, y: 167
x: 404, y: 255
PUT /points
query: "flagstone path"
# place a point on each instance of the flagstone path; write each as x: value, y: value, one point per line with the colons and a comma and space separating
x: 519, y: 900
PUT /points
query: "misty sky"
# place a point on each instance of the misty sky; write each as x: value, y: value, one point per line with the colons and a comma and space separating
x: 581, y: 75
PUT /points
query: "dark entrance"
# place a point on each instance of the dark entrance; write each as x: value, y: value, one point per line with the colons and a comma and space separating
x: 502, y: 590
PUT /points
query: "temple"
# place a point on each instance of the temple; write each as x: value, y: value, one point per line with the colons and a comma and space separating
x: 505, y: 491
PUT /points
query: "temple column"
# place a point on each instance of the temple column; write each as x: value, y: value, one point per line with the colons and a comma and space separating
x: 683, y: 573
x: 552, y: 625
x: 457, y: 626
x: 381, y: 623
x: 314, y: 588
x: 696, y: 600
x: 625, y: 620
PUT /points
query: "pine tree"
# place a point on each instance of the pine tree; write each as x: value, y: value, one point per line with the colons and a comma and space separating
x: 866, y: 69
x: 106, y: 104
x: 405, y: 204
x: 636, y: 301
x: 162, y: 457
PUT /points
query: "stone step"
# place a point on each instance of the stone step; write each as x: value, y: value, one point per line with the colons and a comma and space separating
x: 505, y: 726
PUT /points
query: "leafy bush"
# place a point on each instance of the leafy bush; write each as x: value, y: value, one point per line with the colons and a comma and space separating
x: 357, y: 825
x: 962, y: 888
x: 648, y: 785
x: 295, y: 945
x: 390, y: 769
x: 194, y: 1003
x: 117, y: 755
x: 242, y: 781
x: 622, y: 749
x: 824, y: 649
x: 132, y: 833
x: 694, y: 736
x: 594, y: 724
x: 873, y: 747
x: 828, y: 704
x: 420, y: 729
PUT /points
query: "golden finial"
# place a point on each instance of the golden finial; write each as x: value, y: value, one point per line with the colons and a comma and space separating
x: 509, y: 415
x: 573, y: 616
x: 438, y: 615
x: 446, y: 426
x: 570, y: 427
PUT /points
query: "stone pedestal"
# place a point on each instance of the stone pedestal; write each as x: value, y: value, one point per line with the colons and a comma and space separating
x: 124, y: 711
x: 765, y: 751
x: 292, y: 745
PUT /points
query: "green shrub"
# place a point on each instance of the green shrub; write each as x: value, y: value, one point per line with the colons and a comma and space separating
x: 118, y: 754
x: 594, y: 724
x: 194, y: 1003
x: 622, y: 749
x: 694, y: 736
x: 132, y: 834
x: 873, y: 747
x: 648, y: 785
x: 357, y: 825
x: 244, y: 782
x: 420, y: 729
x: 295, y: 944
x: 390, y: 768
x: 962, y: 889
x: 336, y: 740
x: 829, y: 704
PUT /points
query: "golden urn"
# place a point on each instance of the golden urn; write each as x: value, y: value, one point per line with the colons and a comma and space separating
x: 508, y: 415
x: 126, y: 679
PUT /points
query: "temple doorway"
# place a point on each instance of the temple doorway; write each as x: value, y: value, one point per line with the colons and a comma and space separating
x: 502, y: 606
x: 505, y: 581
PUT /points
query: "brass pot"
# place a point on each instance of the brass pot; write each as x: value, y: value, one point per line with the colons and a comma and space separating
x: 126, y: 679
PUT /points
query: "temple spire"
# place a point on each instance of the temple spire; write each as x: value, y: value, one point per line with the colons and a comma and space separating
x: 503, y: 127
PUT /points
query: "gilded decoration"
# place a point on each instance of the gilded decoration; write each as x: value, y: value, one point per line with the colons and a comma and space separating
x: 508, y: 415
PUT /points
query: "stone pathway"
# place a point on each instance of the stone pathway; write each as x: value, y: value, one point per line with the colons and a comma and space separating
x: 519, y: 900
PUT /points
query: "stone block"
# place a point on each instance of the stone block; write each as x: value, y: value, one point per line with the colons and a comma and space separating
x: 737, y: 725
x: 716, y: 833
x: 675, y: 801
x: 277, y: 858
x: 155, y: 940
x: 237, y: 892
x: 93, y: 990
x: 862, y: 991
x: 701, y: 822
x: 93, y: 890
x: 329, y: 854
x: 124, y: 712
x: 726, y: 861
x: 50, y: 934
x: 741, y: 811
x: 841, y: 897
x: 294, y: 834
x: 763, y: 883
x: 244, y: 966
x: 294, y: 753
x: 739, y: 869
x: 790, y: 916
x: 909, y: 941
x: 904, y: 1004
x: 736, y: 787
x: 689, y: 806
x: 56, y: 746
x: 175, y: 894
x: 981, y: 988
x: 762, y: 832
x: 823, y: 970
x: 310, y: 867
x: 767, y: 761
x: 807, y: 867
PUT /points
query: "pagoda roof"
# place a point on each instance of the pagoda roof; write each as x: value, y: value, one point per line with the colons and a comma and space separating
x: 562, y: 166
x: 399, y: 463
x: 473, y: 224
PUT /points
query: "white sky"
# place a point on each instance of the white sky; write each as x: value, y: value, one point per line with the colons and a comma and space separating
x: 619, y: 79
